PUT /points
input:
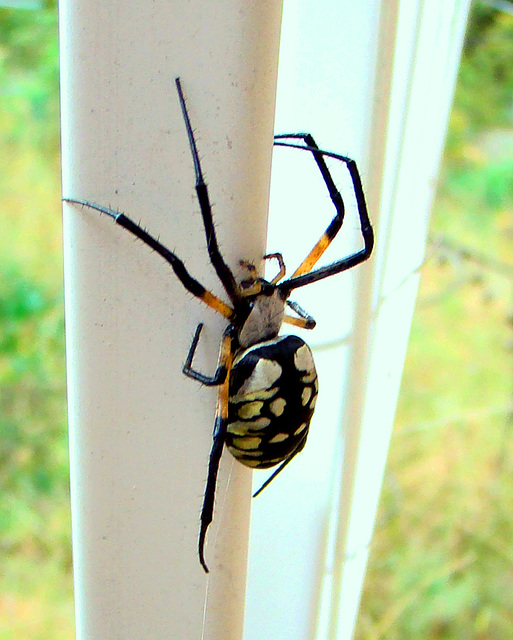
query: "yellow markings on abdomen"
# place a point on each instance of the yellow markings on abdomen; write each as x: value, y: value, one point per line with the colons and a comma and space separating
x: 278, y: 406
x: 250, y: 410
x: 279, y: 437
x: 246, y: 443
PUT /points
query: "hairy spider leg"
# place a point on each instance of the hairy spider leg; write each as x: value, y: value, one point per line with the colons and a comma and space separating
x: 254, y: 286
x: 335, y: 225
x: 222, y: 269
x: 281, y: 273
x: 221, y: 421
x: 304, y: 274
x: 304, y: 321
x: 190, y: 283
x: 221, y: 372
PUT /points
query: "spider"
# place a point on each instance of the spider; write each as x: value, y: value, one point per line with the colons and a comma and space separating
x: 267, y: 382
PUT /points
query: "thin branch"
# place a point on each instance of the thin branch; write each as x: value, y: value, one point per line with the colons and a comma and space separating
x: 468, y: 254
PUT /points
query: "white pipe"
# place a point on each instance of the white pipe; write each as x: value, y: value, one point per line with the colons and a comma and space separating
x: 140, y: 433
x: 425, y: 52
x: 372, y: 80
x: 325, y: 86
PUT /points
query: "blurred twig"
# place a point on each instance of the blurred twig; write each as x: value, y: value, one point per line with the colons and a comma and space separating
x: 469, y: 254
x: 445, y: 249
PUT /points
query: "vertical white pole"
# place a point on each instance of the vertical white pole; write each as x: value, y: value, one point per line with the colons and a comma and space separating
x: 372, y: 80
x: 140, y: 433
x: 325, y: 86
x: 424, y: 51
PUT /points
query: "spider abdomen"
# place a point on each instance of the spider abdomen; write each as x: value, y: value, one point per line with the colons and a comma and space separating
x: 273, y: 390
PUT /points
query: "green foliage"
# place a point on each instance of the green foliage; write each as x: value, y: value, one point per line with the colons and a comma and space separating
x: 36, y: 600
x: 31, y: 418
x: 34, y: 476
x: 480, y: 192
x: 29, y: 75
x: 485, y: 84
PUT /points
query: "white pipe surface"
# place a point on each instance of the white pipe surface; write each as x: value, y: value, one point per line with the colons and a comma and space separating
x: 140, y: 433
x: 372, y: 80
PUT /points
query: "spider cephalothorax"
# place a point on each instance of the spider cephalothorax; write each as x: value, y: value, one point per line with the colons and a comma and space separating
x: 267, y: 382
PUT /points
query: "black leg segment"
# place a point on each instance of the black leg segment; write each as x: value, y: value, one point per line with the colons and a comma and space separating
x: 221, y: 423
x: 304, y: 274
x: 222, y: 269
x: 190, y: 283
x: 221, y: 372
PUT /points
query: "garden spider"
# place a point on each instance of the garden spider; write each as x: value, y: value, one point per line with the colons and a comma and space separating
x: 267, y: 383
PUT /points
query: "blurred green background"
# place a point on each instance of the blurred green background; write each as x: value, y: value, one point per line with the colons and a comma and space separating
x: 36, y: 599
x: 441, y: 564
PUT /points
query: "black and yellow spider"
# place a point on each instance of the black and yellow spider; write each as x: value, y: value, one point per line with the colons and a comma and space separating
x: 267, y: 383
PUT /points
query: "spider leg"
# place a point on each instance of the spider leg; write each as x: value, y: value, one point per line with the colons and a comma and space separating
x: 220, y: 374
x: 190, y: 283
x: 305, y: 320
x: 335, y: 225
x: 253, y: 285
x: 222, y: 269
x: 221, y: 422
x: 281, y: 264
x: 298, y: 449
x: 304, y: 274
x: 299, y: 322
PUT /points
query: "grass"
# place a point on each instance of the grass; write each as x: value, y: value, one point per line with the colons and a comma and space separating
x: 441, y: 559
